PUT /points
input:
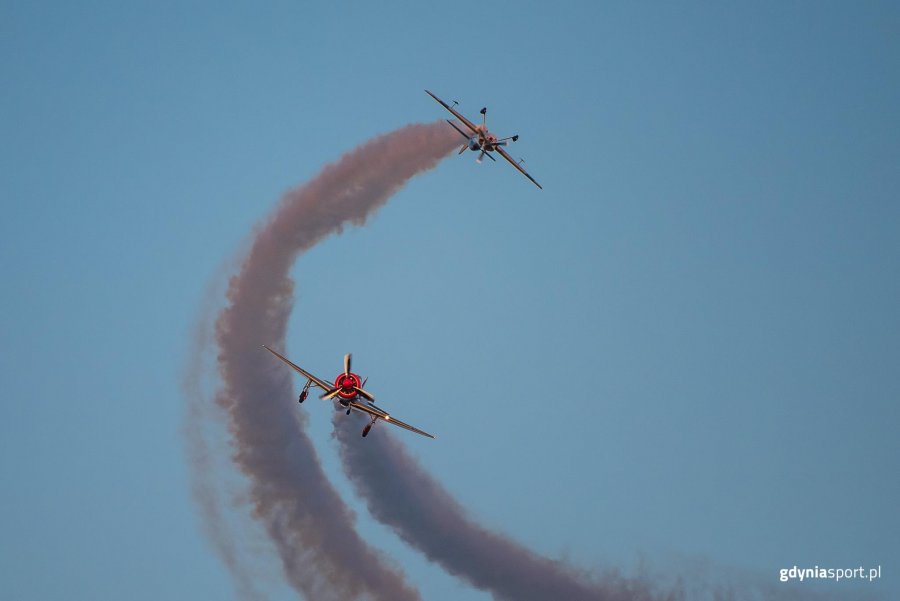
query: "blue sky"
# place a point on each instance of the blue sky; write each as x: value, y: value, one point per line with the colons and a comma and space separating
x: 686, y: 344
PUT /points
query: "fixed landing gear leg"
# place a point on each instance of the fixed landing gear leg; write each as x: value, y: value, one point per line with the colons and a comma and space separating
x: 369, y: 426
x: 305, y: 392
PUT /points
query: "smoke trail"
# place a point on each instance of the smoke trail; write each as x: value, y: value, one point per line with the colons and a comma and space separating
x: 322, y: 555
x: 202, y: 453
x: 400, y: 494
x: 403, y: 496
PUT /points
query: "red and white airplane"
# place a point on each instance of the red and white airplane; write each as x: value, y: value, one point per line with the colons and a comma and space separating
x: 481, y: 140
x: 348, y: 391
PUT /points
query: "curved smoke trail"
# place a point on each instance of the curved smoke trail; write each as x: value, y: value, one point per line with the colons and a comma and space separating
x: 403, y: 496
x: 202, y: 452
x: 312, y: 529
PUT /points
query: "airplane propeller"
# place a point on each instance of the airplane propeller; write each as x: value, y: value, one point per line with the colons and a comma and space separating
x: 363, y: 393
x: 348, y: 364
x: 330, y: 394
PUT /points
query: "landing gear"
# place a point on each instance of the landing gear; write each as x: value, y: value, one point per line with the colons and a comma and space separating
x: 369, y: 426
x: 348, y: 410
x: 305, y: 392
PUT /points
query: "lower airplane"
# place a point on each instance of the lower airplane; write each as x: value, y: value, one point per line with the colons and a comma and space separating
x: 348, y: 391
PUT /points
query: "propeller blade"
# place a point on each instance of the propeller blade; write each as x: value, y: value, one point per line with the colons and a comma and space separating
x: 347, y: 364
x: 330, y: 394
x: 364, y: 394
x: 464, y: 148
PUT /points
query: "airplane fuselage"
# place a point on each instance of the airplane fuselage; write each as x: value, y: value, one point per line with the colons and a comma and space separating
x: 483, y: 140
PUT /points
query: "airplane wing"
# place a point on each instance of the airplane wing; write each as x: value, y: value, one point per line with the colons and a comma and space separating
x: 465, y: 121
x: 383, y: 415
x: 317, y: 381
x: 506, y: 156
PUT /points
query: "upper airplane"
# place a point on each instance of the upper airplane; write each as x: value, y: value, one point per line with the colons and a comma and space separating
x: 480, y: 139
x: 348, y: 391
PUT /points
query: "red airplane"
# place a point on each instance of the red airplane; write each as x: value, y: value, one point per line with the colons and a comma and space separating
x: 348, y: 391
x: 481, y: 140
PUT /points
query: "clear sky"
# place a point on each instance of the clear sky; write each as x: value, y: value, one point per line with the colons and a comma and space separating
x: 685, y: 349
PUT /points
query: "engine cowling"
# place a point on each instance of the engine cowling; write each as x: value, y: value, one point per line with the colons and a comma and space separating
x: 346, y: 384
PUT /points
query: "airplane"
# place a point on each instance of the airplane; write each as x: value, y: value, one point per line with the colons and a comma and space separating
x: 348, y: 391
x: 481, y: 140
